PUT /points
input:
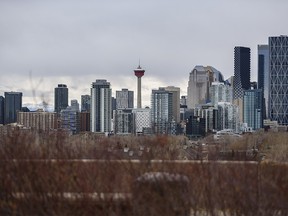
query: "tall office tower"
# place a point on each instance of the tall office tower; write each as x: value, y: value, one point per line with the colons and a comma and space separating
x: 253, y: 108
x: 141, y: 120
x: 278, y: 66
x: 85, y: 103
x: 241, y: 71
x: 200, y: 80
x: 101, y: 110
x: 70, y: 120
x: 38, y: 120
x: 139, y: 72
x: 2, y: 99
x: 12, y: 104
x: 161, y: 111
x: 175, y: 101
x: 263, y: 75
x: 124, y: 99
x: 220, y: 92
x: 75, y: 105
x: 60, y: 97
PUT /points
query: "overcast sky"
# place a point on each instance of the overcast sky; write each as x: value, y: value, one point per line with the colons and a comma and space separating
x: 46, y: 42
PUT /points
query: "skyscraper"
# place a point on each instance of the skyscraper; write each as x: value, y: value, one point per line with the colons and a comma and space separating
x: 60, y: 97
x: 12, y: 104
x: 253, y: 108
x: 85, y: 103
x: 220, y: 92
x: 241, y: 71
x: 161, y: 111
x: 200, y: 80
x: 101, y: 96
x: 124, y: 99
x: 278, y: 66
x: 175, y: 101
x: 263, y: 75
x: 2, y: 99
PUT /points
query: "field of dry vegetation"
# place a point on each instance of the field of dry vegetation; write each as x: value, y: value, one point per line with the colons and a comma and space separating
x: 56, y: 174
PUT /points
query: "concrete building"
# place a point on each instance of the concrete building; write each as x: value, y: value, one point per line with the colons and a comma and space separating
x: 60, y: 97
x: 12, y: 105
x: 70, y: 120
x: 38, y: 120
x: 75, y: 105
x: 278, y: 66
x: 253, y: 108
x: 200, y: 80
x: 124, y: 99
x: 84, y: 121
x: 101, y: 110
x: 123, y: 121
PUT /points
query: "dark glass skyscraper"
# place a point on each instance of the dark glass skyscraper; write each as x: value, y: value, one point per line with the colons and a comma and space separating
x: 241, y: 71
x: 278, y: 66
x: 2, y: 110
x: 60, y: 97
x: 12, y: 104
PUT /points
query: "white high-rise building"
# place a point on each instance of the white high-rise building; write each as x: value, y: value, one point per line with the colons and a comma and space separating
x: 228, y: 116
x: 220, y: 92
x: 101, y: 110
x: 200, y: 80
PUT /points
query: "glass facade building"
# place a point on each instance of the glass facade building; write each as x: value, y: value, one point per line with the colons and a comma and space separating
x: 253, y: 108
x: 60, y: 97
x: 161, y: 111
x: 241, y: 71
x: 278, y: 66
x: 263, y: 75
x: 12, y: 104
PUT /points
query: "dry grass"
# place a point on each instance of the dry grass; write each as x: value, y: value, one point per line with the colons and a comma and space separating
x: 31, y: 183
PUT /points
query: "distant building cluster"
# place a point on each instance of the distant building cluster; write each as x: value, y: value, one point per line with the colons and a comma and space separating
x: 212, y: 103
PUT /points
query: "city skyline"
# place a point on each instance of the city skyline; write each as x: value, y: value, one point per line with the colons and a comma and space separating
x: 47, y: 43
